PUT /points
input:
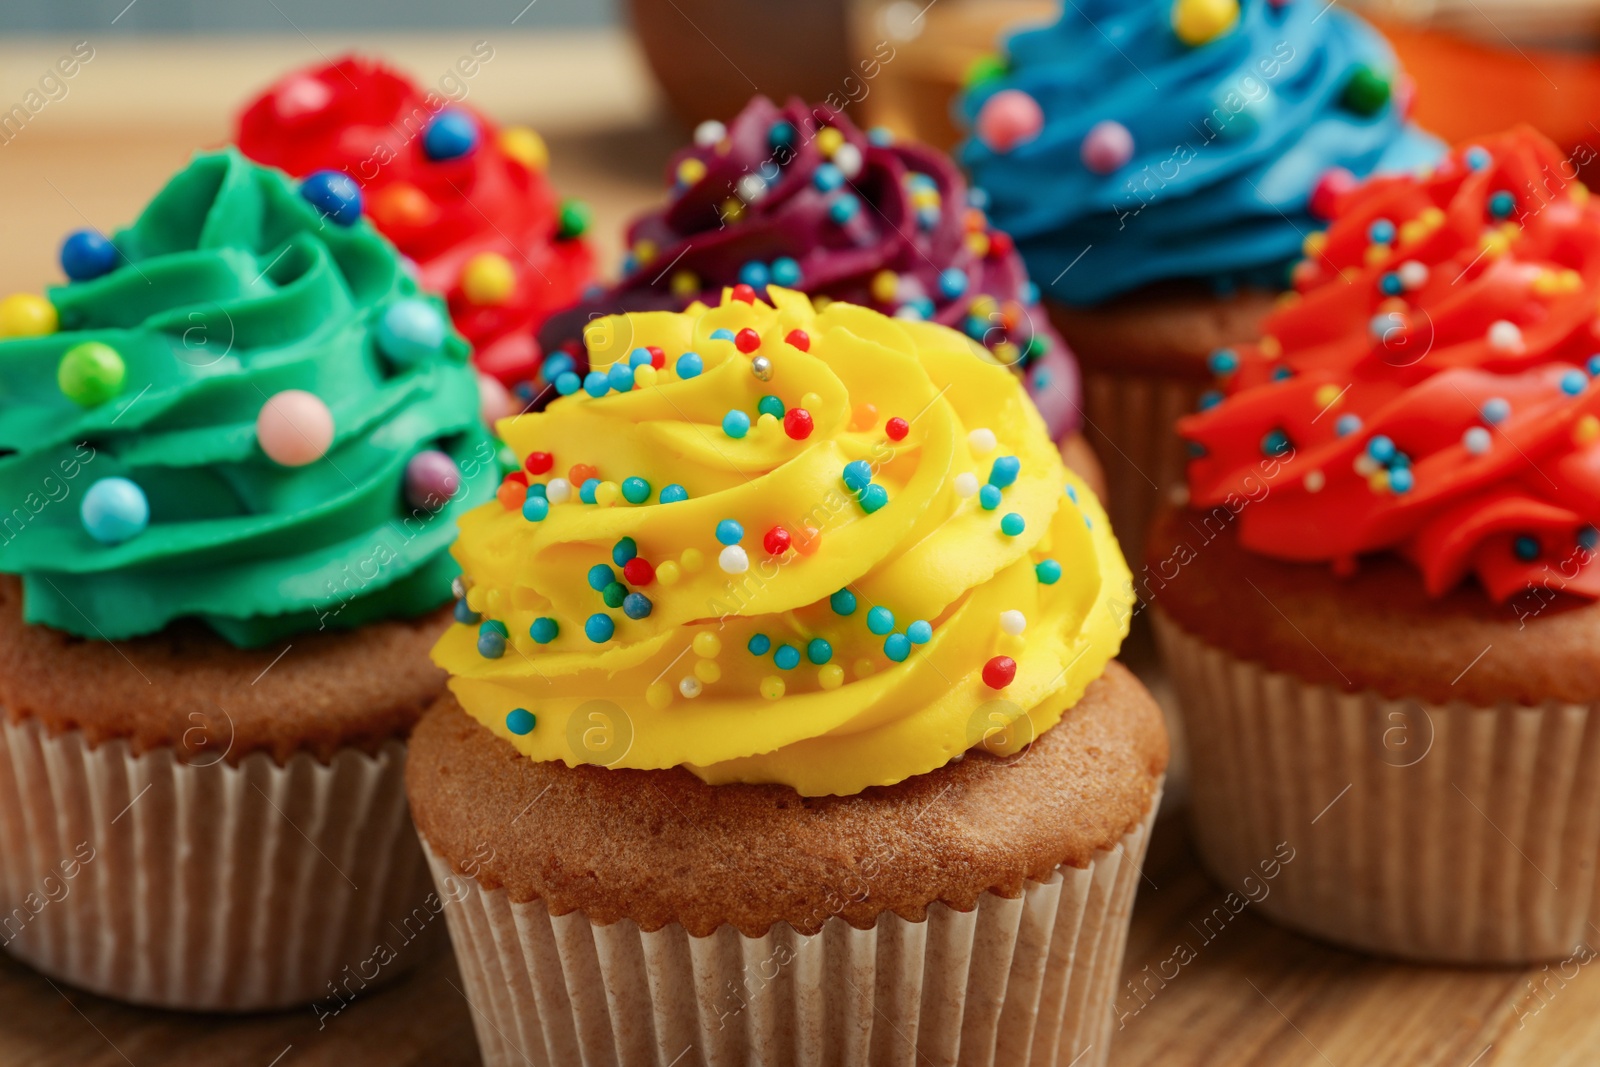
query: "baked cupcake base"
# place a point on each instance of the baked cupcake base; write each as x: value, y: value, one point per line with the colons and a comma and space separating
x: 189, y: 825
x: 1433, y: 765
x: 744, y: 924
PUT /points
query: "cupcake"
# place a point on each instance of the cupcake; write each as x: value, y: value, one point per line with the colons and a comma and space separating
x: 236, y: 443
x: 800, y: 197
x: 1158, y: 165
x: 467, y: 202
x: 1379, y: 607
x: 806, y: 747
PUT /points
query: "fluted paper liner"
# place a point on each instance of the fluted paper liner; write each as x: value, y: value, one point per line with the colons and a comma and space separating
x: 1017, y: 981
x: 1131, y: 421
x: 1430, y: 832
x: 207, y: 887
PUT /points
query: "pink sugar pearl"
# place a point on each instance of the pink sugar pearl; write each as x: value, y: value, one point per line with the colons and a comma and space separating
x: 1106, y: 147
x: 432, y: 478
x: 294, y: 428
x: 1330, y: 188
x: 495, y: 401
x: 1009, y: 118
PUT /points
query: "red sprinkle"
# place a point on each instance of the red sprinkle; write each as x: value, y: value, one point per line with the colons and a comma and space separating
x: 638, y: 571
x: 520, y: 477
x: 539, y: 462
x: 744, y: 293
x: 999, y: 243
x: 797, y: 423
x: 897, y: 428
x: 747, y: 340
x: 580, y: 473
x: 999, y: 672
x: 511, y: 494
x: 658, y: 358
x: 1329, y: 189
x: 776, y: 541
x: 800, y: 339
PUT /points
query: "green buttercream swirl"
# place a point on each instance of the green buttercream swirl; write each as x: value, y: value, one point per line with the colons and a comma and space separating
x: 231, y: 288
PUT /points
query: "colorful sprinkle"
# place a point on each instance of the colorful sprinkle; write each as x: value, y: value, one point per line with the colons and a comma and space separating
x: 759, y: 644
x: 897, y: 647
x: 787, y: 657
x: 999, y: 672
x: 114, y: 510
x: 1012, y: 524
x: 736, y: 424
x: 844, y: 603
x: 544, y: 630
x: 599, y: 628
x: 521, y: 721
x: 797, y: 423
x: 920, y: 632
x: 1048, y: 571
x: 637, y: 606
x: 1003, y: 472
x: 776, y: 541
x: 638, y: 572
x: 671, y: 494
x: 729, y: 532
x: 880, y: 620
x: 733, y: 560
x: 872, y: 498
x: 818, y: 651
x: 897, y: 428
x: 989, y: 497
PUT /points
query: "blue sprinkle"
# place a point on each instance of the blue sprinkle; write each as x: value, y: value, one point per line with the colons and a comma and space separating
x: 1275, y: 443
x: 786, y: 272
x: 952, y: 282
x: 1574, y: 382
x: 671, y: 494
x: 620, y: 377
x: 1401, y: 480
x: 1004, y: 471
x: 1048, y: 571
x: 759, y: 644
x: 586, y: 490
x: 556, y: 365
x: 781, y: 134
x: 88, y: 254
x: 544, y: 630
x: 640, y: 357
x: 537, y: 489
x: 623, y: 551
x: 857, y: 475
x: 599, y: 627
x: 920, y: 632
x: 1072, y: 494
x: 843, y: 602
x: 770, y: 405
x: 1012, y: 524
x: 1588, y: 538
x: 1594, y: 365
x: 872, y: 498
x: 755, y: 274
x: 635, y: 490
x: 1381, y: 448
x: 1502, y: 204
x: 722, y: 333
x: 637, y: 606
x: 989, y: 497
x: 493, y: 626
x: 690, y: 365
x: 453, y: 133
x: 1210, y: 399
x: 601, y: 576
x: 1223, y: 361
x: 520, y: 721
x: 818, y: 651
x: 787, y: 657
x: 1391, y: 285
x: 729, y: 532
x: 1345, y: 425
x: 1495, y: 410
x: 736, y: 424
x: 844, y: 209
x: 568, y: 383
x: 1281, y: 374
x: 535, y: 508
x: 880, y: 620
x: 880, y: 136
x: 1381, y: 232
x: 1478, y: 157
x: 491, y: 644
x: 897, y: 647
x: 827, y: 177
x: 465, y: 614
x: 1526, y: 548
x: 596, y: 384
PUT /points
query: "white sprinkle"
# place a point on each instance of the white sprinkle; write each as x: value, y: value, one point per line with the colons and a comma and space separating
x: 908, y: 313
x: 457, y: 587
x: 734, y: 560
x: 709, y: 133
x: 1477, y: 440
x: 848, y: 159
x: 1413, y: 275
x: 558, y: 490
x: 1366, y: 466
x: 981, y: 441
x: 690, y: 686
x: 1315, y: 481
x: 751, y: 187
x: 966, y: 484
x: 1013, y: 622
x: 1505, y: 337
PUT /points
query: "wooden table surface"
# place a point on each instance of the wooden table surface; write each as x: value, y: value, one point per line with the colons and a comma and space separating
x: 1251, y: 995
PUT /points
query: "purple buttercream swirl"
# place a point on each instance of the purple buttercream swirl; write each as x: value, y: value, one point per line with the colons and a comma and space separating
x: 778, y: 197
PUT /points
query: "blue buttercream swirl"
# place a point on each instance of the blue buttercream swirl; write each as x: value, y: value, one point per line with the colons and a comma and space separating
x: 1229, y: 139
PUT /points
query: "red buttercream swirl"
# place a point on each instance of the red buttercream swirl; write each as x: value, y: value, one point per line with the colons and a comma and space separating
x: 361, y: 117
x: 1429, y: 388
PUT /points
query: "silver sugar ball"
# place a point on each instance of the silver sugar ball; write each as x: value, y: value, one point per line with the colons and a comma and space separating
x: 761, y: 367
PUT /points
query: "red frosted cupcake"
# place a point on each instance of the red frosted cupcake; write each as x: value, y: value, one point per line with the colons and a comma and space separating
x: 467, y: 201
x: 1380, y: 606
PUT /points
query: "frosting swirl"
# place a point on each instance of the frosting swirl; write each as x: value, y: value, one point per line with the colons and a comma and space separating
x: 1132, y: 143
x: 823, y: 597
x: 483, y: 226
x: 801, y: 197
x: 232, y: 305
x: 1429, y: 390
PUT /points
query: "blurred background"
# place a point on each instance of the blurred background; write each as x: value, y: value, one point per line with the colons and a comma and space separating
x: 614, y: 85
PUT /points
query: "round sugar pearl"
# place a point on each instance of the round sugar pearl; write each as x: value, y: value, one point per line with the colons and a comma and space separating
x: 295, y: 428
x: 114, y: 510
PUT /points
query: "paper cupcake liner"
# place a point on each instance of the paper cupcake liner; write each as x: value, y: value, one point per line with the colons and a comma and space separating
x: 1446, y: 833
x: 1017, y: 981
x: 1131, y: 423
x: 208, y: 887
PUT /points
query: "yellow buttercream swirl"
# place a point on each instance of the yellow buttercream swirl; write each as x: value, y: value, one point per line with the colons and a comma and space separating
x: 682, y: 686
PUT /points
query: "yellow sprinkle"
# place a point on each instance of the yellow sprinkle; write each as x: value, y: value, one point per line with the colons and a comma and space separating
x: 829, y: 140
x: 772, y: 687
x: 1571, y: 281
x: 27, y: 315
x: 1432, y: 217
x: 863, y: 667
x: 1376, y: 254
x: 812, y: 402
x: 1494, y: 244
x: 830, y: 676
x: 1314, y: 243
x: 1378, y: 481
x: 1546, y: 283
x: 1579, y: 192
x: 1512, y: 230
x: 691, y: 170
x: 978, y: 243
x: 1412, y: 231
x: 488, y: 279
x: 984, y: 307
x: 1270, y: 346
x: 707, y: 644
x: 475, y: 598
x: 821, y: 302
x: 692, y: 559
x: 707, y: 671
x: 732, y: 209
x: 607, y: 494
x: 1007, y: 353
x: 765, y: 421
x: 685, y: 283
x: 1198, y: 21
x: 658, y: 695
x: 525, y: 146
x: 668, y: 573
x: 885, y: 284
x: 644, y: 251
x: 644, y: 377
x: 1587, y: 431
x: 1327, y: 395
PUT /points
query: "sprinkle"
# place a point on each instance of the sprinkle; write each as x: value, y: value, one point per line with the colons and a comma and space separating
x: 880, y: 620
x: 865, y: 416
x: 614, y: 594
x: 744, y: 295
x: 989, y: 497
x: 1346, y: 425
x: 707, y: 671
x: 920, y: 632
x: 1004, y: 471
x: 775, y: 541
x: 491, y: 644
x: 1587, y: 430
x: 999, y: 672
x: 799, y: 339
x: 638, y: 572
x: 755, y: 274
x: 1505, y: 336
x: 1526, y: 548
x: 599, y: 627
x: 843, y: 603
x: 1413, y: 275
x: 601, y: 576
x: 1478, y: 157
x: 857, y: 475
x: 1495, y: 410
x: 1381, y: 232
x: 897, y: 428
x: 465, y: 614
x: 966, y: 483
x: 658, y: 695
x: 831, y: 676
x: 535, y: 508
x: 707, y: 644
x: 1366, y: 91
x: 690, y: 686
x: 818, y: 651
x: 721, y: 334
x: 637, y: 606
x: 87, y: 254
x: 568, y: 383
x: 1477, y: 441
x: 736, y: 424
x: 1012, y: 524
x: 1381, y: 448
x: 544, y: 630
x: 733, y: 560
x: 759, y: 644
x: 1502, y: 203
x: 844, y: 208
x: 1276, y: 443
x: 512, y: 495
x: 848, y: 158
x: 709, y: 133
x: 797, y: 423
x: 761, y: 368
x: 729, y: 532
x: 689, y: 365
x: 635, y: 490
x: 1048, y: 571
x: 1574, y: 382
x: 982, y: 441
x: 521, y: 721
x: 692, y: 559
x: 872, y: 498
x: 668, y: 573
x: 596, y: 384
x: 747, y: 340
x: 1107, y: 147
x: 558, y: 490
x: 539, y: 462
x: 786, y: 272
x: 671, y: 494
x: 772, y: 687
x: 1223, y: 361
x: 770, y: 405
x: 607, y: 494
x: 787, y: 657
